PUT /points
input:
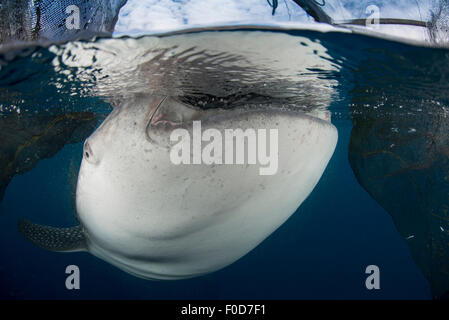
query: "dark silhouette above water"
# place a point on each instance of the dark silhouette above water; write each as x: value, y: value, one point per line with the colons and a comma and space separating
x: 399, y: 152
x: 26, y: 139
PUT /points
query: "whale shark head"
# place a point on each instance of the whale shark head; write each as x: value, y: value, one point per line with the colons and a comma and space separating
x: 156, y: 213
x: 170, y: 190
x: 159, y: 219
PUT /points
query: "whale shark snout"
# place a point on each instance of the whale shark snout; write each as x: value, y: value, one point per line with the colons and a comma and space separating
x: 161, y: 220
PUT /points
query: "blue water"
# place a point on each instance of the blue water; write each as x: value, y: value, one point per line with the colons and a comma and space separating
x: 321, y: 252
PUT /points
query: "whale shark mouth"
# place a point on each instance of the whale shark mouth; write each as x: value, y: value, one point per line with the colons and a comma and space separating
x: 169, y: 113
x: 208, y: 69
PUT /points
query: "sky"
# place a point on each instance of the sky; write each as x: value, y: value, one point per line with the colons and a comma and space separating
x: 167, y: 15
x: 405, y: 9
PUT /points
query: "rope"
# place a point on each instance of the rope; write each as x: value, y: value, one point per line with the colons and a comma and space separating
x: 274, y: 5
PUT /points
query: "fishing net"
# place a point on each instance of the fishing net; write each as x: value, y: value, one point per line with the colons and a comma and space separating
x: 439, y: 23
x: 56, y: 21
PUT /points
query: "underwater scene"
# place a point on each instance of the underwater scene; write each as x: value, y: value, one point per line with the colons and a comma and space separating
x: 259, y: 160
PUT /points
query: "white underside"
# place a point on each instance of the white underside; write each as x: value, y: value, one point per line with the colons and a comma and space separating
x: 158, y: 220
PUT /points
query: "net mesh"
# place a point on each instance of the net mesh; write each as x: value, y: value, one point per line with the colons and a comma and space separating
x: 439, y: 23
x: 48, y: 20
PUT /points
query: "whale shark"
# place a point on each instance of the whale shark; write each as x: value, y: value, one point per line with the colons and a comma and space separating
x: 154, y: 219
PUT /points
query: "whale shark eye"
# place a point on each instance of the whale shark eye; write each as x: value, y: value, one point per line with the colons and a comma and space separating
x: 88, y: 154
